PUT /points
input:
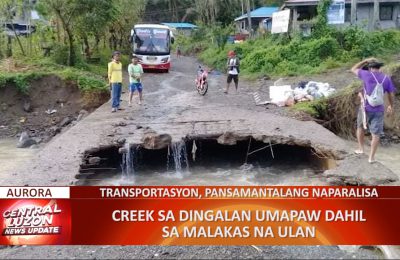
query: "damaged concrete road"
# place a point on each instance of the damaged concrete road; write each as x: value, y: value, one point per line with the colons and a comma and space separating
x: 352, y: 172
x: 173, y: 111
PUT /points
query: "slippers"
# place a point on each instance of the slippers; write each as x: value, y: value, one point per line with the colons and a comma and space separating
x: 372, y: 161
x: 358, y: 152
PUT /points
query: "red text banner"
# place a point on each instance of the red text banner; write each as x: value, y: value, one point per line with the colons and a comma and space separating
x: 204, y: 215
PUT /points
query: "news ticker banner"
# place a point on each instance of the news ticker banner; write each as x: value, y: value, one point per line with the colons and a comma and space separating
x: 200, y: 215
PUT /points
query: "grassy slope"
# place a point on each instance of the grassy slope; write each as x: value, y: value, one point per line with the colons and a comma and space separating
x: 20, y: 71
x: 279, y: 56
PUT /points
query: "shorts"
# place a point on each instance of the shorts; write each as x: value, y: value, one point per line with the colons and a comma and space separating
x: 135, y: 86
x: 374, y: 121
x: 231, y: 77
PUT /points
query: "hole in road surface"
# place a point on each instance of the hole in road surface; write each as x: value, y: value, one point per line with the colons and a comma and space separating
x: 204, y: 161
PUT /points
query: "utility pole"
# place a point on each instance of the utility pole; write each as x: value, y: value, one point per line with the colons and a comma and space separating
x: 376, y: 15
x: 249, y: 18
x: 353, y: 19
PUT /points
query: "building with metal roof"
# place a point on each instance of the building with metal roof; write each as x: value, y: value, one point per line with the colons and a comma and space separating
x: 260, y: 18
x: 183, y: 28
x: 302, y: 11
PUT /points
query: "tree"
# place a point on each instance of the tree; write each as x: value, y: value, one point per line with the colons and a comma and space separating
x: 9, y: 9
x: 173, y: 9
x: 66, y: 12
x: 128, y: 15
x: 321, y: 24
x: 98, y: 15
x: 207, y: 11
x: 167, y: 10
x: 210, y: 12
x: 376, y: 15
x: 82, y: 18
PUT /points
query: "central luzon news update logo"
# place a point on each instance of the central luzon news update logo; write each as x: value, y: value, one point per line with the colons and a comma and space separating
x: 30, y: 221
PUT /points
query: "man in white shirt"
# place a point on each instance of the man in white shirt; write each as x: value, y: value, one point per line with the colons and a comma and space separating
x: 233, y: 71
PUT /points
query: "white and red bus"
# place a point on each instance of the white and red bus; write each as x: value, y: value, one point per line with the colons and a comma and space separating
x: 151, y: 43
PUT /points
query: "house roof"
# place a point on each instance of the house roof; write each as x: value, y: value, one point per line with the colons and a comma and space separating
x: 262, y: 12
x: 290, y: 3
x: 181, y: 25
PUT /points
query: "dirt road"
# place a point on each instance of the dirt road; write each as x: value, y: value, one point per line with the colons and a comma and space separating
x: 171, y: 105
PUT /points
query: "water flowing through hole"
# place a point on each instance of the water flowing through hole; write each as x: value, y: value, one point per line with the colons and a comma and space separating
x: 204, y: 161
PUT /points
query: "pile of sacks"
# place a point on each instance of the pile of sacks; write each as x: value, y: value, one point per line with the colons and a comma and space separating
x: 308, y: 91
x: 284, y: 95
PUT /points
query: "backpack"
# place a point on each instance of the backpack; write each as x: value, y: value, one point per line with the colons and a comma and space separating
x: 237, y: 64
x: 377, y: 96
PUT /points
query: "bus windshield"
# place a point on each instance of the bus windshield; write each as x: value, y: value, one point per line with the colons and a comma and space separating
x: 151, y: 41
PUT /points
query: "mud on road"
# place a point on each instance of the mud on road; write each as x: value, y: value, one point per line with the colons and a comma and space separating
x: 172, y: 106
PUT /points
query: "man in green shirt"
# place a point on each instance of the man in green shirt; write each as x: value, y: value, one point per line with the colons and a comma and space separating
x: 135, y: 71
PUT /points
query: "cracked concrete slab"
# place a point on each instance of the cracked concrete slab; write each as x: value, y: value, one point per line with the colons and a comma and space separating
x: 172, y: 107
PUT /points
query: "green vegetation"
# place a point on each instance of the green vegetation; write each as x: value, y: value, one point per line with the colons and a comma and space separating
x: 72, y: 28
x: 86, y: 80
x: 281, y: 56
x: 20, y: 80
x: 84, y: 35
x: 316, y: 108
x: 79, y: 38
x: 76, y: 40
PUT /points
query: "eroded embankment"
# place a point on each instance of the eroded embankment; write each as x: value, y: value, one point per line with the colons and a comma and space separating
x: 338, y: 113
x: 47, y: 105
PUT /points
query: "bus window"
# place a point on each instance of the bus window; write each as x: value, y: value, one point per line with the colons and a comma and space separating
x: 152, y: 41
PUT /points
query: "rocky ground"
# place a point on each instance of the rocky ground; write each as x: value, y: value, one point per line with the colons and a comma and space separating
x: 49, y: 106
x: 173, y: 107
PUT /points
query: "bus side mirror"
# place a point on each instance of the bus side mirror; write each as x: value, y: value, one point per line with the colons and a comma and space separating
x: 172, y: 40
